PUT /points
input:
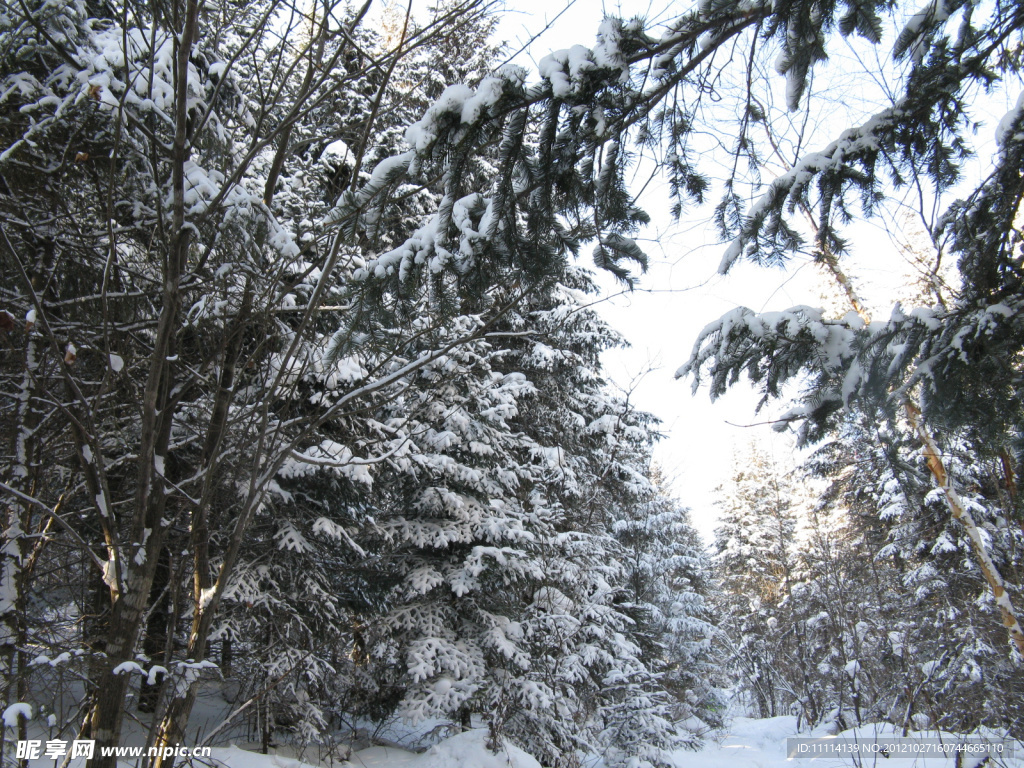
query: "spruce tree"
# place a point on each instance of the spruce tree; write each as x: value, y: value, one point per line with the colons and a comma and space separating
x: 754, y: 552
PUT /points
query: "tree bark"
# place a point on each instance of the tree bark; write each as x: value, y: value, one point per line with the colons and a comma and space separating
x: 154, y: 642
x: 15, y: 542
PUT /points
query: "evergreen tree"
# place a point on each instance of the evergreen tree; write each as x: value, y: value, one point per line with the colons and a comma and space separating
x: 495, y: 536
x: 179, y: 289
x: 951, y: 369
x: 881, y: 618
x: 669, y: 584
x: 936, y: 633
x: 755, y: 556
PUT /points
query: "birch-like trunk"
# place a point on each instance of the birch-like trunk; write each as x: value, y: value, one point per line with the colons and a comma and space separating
x: 15, y: 543
x: 960, y: 512
x: 943, y: 481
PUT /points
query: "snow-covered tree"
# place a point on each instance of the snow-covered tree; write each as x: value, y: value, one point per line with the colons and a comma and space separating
x: 754, y: 552
x: 932, y: 635
x: 177, y: 289
x: 952, y: 369
x: 885, y: 616
x: 223, y: 261
x: 668, y: 584
x: 491, y: 528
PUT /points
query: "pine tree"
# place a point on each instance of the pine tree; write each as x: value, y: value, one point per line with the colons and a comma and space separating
x: 755, y: 557
x: 669, y: 583
x: 885, y: 617
x: 494, y: 534
x: 934, y: 366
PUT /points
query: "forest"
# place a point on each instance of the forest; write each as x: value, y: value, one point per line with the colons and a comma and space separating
x: 303, y: 411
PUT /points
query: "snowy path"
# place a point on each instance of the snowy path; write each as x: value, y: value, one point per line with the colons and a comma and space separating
x: 748, y: 743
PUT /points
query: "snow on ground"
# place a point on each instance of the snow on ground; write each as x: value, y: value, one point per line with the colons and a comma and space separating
x: 464, y: 750
x: 752, y: 743
x: 744, y: 743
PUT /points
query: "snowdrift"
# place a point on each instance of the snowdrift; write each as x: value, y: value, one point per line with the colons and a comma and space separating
x: 464, y: 750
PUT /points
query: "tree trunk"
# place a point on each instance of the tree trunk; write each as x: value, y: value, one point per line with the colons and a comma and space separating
x: 126, y: 620
x: 225, y: 656
x: 15, y: 542
x: 943, y: 481
x: 154, y: 642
